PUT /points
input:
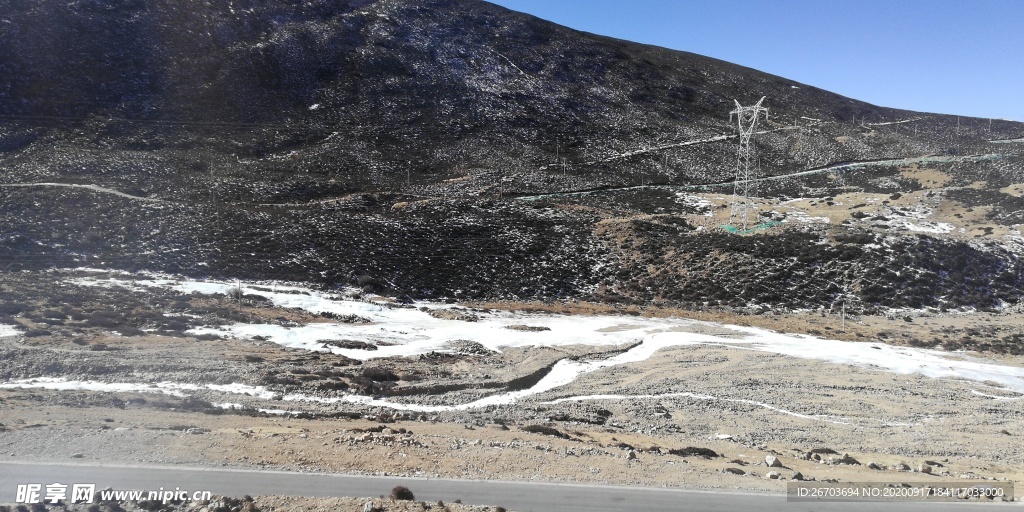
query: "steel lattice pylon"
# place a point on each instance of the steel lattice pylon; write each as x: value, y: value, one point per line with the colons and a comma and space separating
x: 746, y: 165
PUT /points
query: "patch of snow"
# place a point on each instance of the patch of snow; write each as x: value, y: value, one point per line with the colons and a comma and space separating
x: 930, y: 227
x: 696, y: 202
x: 798, y: 216
x: 61, y: 384
x: 408, y: 331
x: 8, y: 330
x: 996, y: 397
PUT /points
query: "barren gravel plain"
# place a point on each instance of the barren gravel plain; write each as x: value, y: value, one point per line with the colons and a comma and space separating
x: 713, y: 401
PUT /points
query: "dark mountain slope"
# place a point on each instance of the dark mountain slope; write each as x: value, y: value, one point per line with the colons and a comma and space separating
x: 362, y: 92
x: 379, y: 142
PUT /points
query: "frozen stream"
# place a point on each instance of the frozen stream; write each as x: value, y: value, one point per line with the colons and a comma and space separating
x: 410, y: 331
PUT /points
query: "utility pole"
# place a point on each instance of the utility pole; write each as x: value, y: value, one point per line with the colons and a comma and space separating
x: 746, y: 165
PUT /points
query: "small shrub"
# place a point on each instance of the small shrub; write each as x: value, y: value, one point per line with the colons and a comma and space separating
x: 127, y: 330
x: 707, y: 453
x: 401, y: 492
x: 548, y: 431
x: 380, y: 375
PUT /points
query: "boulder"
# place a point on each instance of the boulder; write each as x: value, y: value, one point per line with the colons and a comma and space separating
x: 846, y: 459
x: 735, y: 471
x: 773, y: 475
x: 772, y: 461
x: 796, y: 476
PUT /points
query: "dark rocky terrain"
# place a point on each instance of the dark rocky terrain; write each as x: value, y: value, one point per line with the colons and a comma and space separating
x: 409, y: 147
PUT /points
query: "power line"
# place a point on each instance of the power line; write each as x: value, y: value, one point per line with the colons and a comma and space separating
x: 746, y: 166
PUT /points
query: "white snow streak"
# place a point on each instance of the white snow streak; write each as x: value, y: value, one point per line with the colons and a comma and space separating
x: 404, y: 331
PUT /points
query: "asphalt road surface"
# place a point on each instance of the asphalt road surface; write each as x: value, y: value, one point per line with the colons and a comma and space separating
x: 519, y: 496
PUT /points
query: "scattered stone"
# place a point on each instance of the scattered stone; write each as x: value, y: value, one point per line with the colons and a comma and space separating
x: 772, y: 462
x: 631, y: 455
x: 924, y: 468
x: 796, y: 476
x: 469, y: 348
x: 846, y: 459
x: 527, y: 328
x: 453, y: 314
x: 872, y: 465
x: 349, y: 344
x: 74, y: 456
x: 902, y: 467
x: 773, y: 475
x: 735, y: 471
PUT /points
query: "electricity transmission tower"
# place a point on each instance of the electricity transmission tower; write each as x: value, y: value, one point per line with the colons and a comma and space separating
x: 746, y: 164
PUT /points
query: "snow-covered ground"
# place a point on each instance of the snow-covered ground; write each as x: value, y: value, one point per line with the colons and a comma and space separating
x: 701, y: 205
x: 410, y: 331
x: 8, y: 330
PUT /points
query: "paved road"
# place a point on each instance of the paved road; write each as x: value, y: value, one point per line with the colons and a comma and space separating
x: 520, y: 496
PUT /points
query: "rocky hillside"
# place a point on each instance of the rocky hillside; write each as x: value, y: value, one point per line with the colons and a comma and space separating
x: 412, y: 146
